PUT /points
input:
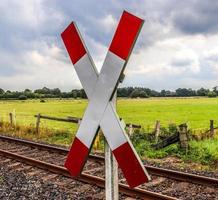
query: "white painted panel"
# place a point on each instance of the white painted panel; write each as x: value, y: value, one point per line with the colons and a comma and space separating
x: 112, y: 128
x: 102, y: 92
x: 87, y: 74
x: 110, y: 123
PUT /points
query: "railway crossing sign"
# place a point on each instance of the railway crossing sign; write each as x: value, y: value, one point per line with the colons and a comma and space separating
x: 100, y: 88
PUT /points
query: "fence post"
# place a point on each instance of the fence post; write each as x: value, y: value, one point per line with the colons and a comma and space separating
x: 211, y: 128
x: 11, y: 119
x: 157, y: 130
x: 183, y: 136
x: 130, y: 130
x: 14, y: 118
x: 37, y: 123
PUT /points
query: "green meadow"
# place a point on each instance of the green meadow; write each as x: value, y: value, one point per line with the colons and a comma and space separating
x: 195, y: 111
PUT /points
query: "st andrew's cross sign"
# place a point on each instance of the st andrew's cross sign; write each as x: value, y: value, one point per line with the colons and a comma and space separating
x: 100, y: 88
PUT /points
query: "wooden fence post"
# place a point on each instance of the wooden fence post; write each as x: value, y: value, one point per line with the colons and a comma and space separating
x: 183, y: 136
x: 211, y: 128
x: 11, y: 119
x: 130, y: 130
x: 157, y: 130
x: 37, y: 124
x: 14, y: 119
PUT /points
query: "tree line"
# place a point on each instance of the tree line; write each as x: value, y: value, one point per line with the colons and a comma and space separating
x: 128, y: 92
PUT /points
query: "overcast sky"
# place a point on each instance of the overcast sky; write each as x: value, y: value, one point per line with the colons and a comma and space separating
x: 177, y: 47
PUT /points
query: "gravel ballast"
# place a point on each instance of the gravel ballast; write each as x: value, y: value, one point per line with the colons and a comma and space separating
x: 19, y: 186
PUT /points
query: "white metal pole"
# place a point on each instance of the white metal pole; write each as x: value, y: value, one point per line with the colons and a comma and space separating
x: 111, y: 171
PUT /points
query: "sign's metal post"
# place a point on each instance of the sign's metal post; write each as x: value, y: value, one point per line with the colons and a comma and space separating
x: 111, y: 171
x: 111, y: 174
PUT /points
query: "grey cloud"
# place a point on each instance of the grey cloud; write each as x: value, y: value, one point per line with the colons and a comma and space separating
x: 181, y: 62
x: 213, y: 57
x: 196, y: 17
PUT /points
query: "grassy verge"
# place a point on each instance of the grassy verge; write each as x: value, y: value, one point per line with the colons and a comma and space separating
x: 54, y: 136
x: 204, y: 152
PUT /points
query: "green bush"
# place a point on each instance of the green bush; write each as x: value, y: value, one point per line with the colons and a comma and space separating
x: 165, y: 132
x: 204, y: 152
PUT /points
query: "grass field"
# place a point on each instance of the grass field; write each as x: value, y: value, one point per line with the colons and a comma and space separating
x: 196, y: 111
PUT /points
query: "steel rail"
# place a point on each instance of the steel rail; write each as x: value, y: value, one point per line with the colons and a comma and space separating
x: 100, y: 182
x: 172, y: 174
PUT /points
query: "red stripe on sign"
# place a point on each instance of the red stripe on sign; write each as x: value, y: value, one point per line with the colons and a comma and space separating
x: 76, y: 157
x: 129, y: 164
x: 125, y: 35
x: 73, y: 43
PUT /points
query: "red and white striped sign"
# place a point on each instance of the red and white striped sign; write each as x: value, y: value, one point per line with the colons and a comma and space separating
x: 100, y: 90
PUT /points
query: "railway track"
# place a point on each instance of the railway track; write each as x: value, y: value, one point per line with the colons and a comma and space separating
x: 24, y: 151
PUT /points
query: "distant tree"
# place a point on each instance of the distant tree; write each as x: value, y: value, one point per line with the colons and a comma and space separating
x: 79, y: 94
x: 147, y: 90
x: 202, y: 92
x: 38, y: 91
x: 73, y: 94
x: 27, y: 91
x: 22, y: 97
x: 171, y: 93
x: 64, y: 95
x: 55, y: 91
x: 167, y: 93
x: 215, y: 89
x: 184, y: 92
x: 83, y: 94
x: 2, y: 91
x: 135, y: 93
x: 129, y: 91
x: 212, y: 94
x: 44, y: 90
x: 142, y: 94
x: 154, y: 93
x: 122, y: 92
x: 163, y: 93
